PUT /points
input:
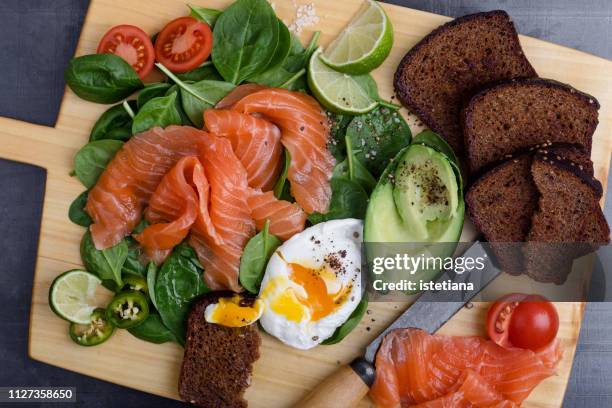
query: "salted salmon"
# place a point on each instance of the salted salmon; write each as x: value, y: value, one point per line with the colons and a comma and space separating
x: 286, y: 219
x: 116, y: 202
x: 305, y: 133
x: 219, y: 244
x: 255, y: 141
x: 237, y: 94
x: 414, y: 367
x: 174, y: 208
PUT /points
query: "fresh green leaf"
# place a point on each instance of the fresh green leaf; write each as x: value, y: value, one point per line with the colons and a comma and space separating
x: 255, y: 257
x: 77, y: 213
x: 132, y: 264
x: 102, y: 78
x: 179, y: 282
x: 159, y: 111
x: 151, y: 91
x: 111, y: 124
x: 151, y: 279
x: 91, y: 160
x: 283, y: 47
x: 349, y: 200
x: 348, y: 326
x: 281, y: 183
x: 245, y: 39
x: 376, y: 137
x: 174, y: 89
x: 153, y: 330
x: 337, y: 129
x: 204, y: 71
x: 106, y: 263
x: 207, y: 15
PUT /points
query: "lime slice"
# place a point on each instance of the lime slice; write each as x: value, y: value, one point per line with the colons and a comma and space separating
x: 338, y: 92
x: 365, y: 42
x: 71, y: 296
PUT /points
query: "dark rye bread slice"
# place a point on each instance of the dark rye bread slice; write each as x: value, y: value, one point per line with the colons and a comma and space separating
x: 520, y: 114
x: 218, y: 360
x: 501, y: 203
x: 439, y: 75
x: 568, y: 223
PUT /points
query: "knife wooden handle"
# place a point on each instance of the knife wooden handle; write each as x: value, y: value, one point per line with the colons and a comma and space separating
x: 344, y: 388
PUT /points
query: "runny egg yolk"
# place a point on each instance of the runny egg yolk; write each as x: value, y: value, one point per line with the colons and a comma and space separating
x: 234, y: 311
x: 318, y: 301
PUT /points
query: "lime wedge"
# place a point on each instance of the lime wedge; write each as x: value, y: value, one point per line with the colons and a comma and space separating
x: 71, y: 296
x: 339, y: 92
x: 364, y: 44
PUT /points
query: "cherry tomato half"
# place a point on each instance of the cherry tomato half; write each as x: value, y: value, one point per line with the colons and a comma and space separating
x: 183, y: 44
x: 132, y: 44
x: 524, y: 321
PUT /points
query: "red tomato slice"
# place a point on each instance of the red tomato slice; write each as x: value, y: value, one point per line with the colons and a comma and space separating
x: 524, y: 321
x: 132, y: 44
x: 183, y: 44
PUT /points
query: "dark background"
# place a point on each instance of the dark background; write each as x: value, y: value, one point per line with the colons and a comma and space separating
x: 38, y: 37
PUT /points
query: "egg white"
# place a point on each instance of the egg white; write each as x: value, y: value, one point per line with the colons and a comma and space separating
x: 310, y: 248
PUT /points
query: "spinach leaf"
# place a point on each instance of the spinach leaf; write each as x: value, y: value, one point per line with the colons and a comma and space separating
x: 204, y: 71
x: 106, y: 263
x: 77, y: 213
x: 151, y: 91
x: 376, y: 137
x: 284, y: 74
x: 349, y: 200
x: 112, y: 123
x: 174, y: 89
x: 179, y: 282
x: 207, y: 15
x: 151, y: 279
x: 159, y: 111
x: 153, y: 330
x: 337, y: 129
x: 132, y: 264
x: 348, y: 326
x: 283, y: 47
x: 245, y: 37
x: 255, y: 257
x: 101, y: 78
x: 281, y: 188
x: 91, y: 160
x: 352, y: 169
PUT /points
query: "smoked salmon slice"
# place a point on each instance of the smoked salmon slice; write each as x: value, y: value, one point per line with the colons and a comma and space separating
x: 414, y: 367
x: 173, y: 208
x: 116, y: 202
x: 305, y: 133
x: 255, y: 141
x: 286, y: 219
x: 219, y: 244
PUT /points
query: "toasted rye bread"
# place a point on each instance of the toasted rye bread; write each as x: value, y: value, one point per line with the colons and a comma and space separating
x: 568, y: 217
x: 218, y: 360
x: 502, y: 202
x: 438, y: 76
x: 524, y: 113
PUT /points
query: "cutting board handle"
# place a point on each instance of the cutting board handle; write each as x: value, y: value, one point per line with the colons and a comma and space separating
x: 344, y: 388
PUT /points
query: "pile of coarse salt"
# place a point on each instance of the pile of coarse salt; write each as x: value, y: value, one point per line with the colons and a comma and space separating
x: 305, y: 16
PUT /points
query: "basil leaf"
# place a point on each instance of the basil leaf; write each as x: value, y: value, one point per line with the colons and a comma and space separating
x: 202, y: 95
x: 349, y: 200
x: 153, y: 330
x: 106, y: 263
x: 77, y: 213
x: 207, y: 15
x: 151, y: 91
x: 245, y: 39
x: 348, y: 326
x: 108, y: 124
x: 281, y: 185
x: 179, y: 282
x: 205, y: 71
x: 101, y: 78
x: 151, y: 279
x: 255, y: 257
x: 159, y: 111
x: 91, y: 160
x: 376, y: 137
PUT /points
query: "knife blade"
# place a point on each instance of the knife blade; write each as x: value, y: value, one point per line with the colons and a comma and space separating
x: 429, y: 312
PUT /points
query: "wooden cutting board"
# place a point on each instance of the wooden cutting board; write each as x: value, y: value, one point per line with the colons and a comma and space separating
x: 282, y: 375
